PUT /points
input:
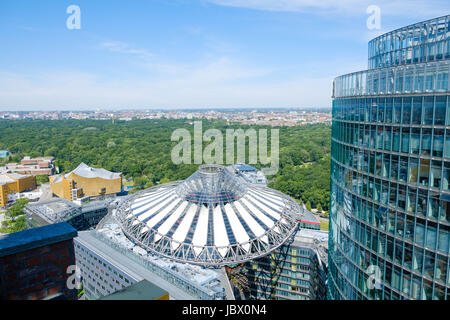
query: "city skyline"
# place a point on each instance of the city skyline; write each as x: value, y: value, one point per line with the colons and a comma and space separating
x: 187, y: 54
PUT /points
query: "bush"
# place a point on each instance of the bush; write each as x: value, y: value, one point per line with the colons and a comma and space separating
x: 40, y: 179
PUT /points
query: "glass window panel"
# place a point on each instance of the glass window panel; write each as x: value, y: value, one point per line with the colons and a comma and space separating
x: 428, y: 110
x: 427, y: 290
x: 387, y: 138
x: 417, y: 110
x: 416, y: 287
x: 406, y: 282
x: 438, y: 142
x: 442, y: 78
x: 420, y: 231
x: 418, y: 259
x: 439, y: 111
x: 443, y: 241
x: 396, y: 280
x: 396, y: 139
x: 400, y: 224
x: 428, y: 269
x: 413, y: 170
x: 405, y: 140
x: 394, y: 167
x: 422, y: 202
x: 415, y: 141
x: 426, y: 142
x: 431, y: 235
x: 412, y: 196
x: 388, y: 111
x: 419, y: 81
x: 435, y: 174
x: 397, y: 110
x: 385, y: 168
x: 409, y: 229
x: 433, y: 205
x: 447, y: 144
x: 403, y: 172
x: 446, y: 176
x: 406, y: 110
x: 430, y: 79
x: 424, y: 171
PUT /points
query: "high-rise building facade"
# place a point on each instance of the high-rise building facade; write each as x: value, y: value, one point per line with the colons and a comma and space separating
x: 390, y: 170
x: 294, y: 271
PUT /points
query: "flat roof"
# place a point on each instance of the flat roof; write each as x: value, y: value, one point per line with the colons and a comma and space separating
x: 309, y: 217
x: 142, y: 290
x: 35, y: 238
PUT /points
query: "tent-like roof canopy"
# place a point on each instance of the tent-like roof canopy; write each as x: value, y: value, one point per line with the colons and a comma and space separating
x: 210, y: 219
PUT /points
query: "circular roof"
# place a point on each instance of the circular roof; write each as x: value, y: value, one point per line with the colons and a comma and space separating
x: 211, y: 218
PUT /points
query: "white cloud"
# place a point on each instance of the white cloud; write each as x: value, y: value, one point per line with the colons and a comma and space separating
x: 122, y: 47
x: 221, y: 83
x: 408, y: 8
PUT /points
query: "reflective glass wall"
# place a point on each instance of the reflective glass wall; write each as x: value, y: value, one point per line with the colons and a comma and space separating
x: 421, y: 42
x: 390, y: 185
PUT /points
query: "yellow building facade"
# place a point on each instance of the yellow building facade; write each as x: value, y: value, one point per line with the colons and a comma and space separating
x: 12, y: 183
x: 86, y: 181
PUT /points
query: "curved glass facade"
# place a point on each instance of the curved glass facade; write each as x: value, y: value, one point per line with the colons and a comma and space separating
x: 425, y: 41
x: 390, y: 182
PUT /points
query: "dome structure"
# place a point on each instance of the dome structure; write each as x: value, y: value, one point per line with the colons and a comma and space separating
x: 210, y: 219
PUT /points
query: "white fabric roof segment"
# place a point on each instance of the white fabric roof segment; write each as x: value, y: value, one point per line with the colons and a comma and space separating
x: 220, y: 231
x: 238, y: 230
x: 264, y: 205
x: 261, y: 216
x: 249, y: 220
x: 147, y: 197
x: 141, y: 207
x: 201, y: 230
x: 167, y: 225
x: 162, y: 213
x: 254, y: 226
x: 182, y: 230
x: 144, y: 230
x: 273, y: 198
x: 146, y: 212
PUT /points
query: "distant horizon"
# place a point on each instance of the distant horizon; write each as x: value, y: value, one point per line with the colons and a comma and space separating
x: 222, y: 109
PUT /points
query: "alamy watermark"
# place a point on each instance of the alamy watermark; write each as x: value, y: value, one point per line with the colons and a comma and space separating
x: 374, y: 20
x: 213, y: 153
x: 73, y: 22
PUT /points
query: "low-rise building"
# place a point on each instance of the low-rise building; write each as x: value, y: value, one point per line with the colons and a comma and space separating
x: 34, y: 264
x: 81, y: 217
x: 4, y: 153
x: 12, y: 183
x: 33, y: 166
x: 248, y: 174
x: 85, y: 181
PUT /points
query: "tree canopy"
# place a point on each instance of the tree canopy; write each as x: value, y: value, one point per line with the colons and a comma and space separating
x: 141, y: 150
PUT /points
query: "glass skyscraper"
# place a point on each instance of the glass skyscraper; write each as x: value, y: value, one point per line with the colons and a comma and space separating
x: 390, y: 170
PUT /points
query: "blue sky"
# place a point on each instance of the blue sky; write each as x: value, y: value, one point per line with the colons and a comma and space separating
x: 187, y: 53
